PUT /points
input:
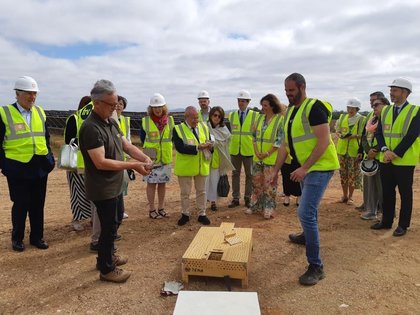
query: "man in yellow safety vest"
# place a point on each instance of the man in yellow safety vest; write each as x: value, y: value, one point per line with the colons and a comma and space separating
x: 398, y: 135
x: 308, y: 140
x: 26, y: 159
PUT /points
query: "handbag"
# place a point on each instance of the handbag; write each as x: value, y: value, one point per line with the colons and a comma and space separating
x: 223, y: 186
x: 67, y: 158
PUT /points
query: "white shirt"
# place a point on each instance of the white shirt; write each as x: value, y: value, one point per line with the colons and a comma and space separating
x: 27, y: 114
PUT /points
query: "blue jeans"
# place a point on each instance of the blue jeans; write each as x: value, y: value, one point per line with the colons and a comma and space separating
x: 313, y: 187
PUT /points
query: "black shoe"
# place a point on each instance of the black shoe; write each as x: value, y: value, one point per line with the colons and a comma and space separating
x: 247, y: 203
x: 41, y: 244
x: 94, y: 247
x: 297, y: 238
x: 234, y: 203
x: 203, y: 220
x: 18, y: 246
x: 117, y: 237
x: 213, y: 207
x: 399, y: 231
x: 183, y: 220
x: 380, y: 226
x: 312, y: 275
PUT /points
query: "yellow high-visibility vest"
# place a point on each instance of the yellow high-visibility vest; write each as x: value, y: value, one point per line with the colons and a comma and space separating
x: 241, y: 140
x: 349, y: 146
x: 265, y: 140
x: 187, y: 164
x: 161, y: 142
x: 81, y: 115
x: 21, y: 141
x: 124, y: 124
x: 304, y: 140
x: 394, y: 133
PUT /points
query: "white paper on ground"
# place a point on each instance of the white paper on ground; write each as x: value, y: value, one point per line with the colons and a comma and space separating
x: 211, y: 302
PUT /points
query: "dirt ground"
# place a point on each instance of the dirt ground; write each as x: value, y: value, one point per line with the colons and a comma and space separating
x: 367, y: 272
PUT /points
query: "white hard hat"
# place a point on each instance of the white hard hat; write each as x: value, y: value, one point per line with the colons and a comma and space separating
x: 203, y: 94
x: 244, y: 94
x: 354, y: 102
x: 369, y: 167
x: 402, y: 83
x: 157, y: 100
x: 26, y: 83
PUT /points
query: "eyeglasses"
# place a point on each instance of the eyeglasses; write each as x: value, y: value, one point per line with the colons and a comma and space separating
x: 112, y: 105
x: 374, y: 105
x: 217, y: 115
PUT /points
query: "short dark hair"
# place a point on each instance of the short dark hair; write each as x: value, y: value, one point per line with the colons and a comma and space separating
x: 123, y: 99
x: 297, y: 78
x: 378, y: 94
x: 222, y: 115
x: 273, y: 101
x: 383, y: 100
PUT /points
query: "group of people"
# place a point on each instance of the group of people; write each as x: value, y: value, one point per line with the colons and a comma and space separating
x: 295, y: 139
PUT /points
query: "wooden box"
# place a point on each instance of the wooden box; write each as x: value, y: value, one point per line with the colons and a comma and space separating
x: 210, y: 255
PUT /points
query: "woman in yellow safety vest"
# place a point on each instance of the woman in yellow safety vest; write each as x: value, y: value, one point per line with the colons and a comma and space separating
x: 81, y: 208
x: 349, y: 128
x: 156, y: 135
x: 267, y: 137
x: 124, y: 123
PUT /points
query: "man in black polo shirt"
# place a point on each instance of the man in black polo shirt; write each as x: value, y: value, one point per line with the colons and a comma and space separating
x: 102, y: 145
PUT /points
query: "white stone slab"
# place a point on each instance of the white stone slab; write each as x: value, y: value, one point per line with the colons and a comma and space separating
x: 215, y: 302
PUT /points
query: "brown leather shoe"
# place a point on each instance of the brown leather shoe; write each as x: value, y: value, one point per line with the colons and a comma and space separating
x: 116, y: 259
x: 117, y: 275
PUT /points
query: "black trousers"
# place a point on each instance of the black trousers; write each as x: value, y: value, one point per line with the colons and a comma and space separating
x: 120, y: 210
x: 290, y: 188
x: 107, y: 211
x: 28, y: 197
x: 402, y: 177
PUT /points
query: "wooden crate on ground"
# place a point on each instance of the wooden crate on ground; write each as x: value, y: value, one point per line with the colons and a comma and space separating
x: 209, y: 254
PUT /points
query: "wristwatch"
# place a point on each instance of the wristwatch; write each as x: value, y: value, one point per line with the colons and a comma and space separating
x: 383, y: 149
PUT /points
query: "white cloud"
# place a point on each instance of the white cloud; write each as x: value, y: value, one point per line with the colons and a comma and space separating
x: 177, y: 48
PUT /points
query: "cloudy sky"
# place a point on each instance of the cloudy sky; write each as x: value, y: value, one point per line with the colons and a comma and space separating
x: 178, y: 47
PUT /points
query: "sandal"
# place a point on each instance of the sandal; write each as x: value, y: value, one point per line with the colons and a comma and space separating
x: 350, y: 202
x: 344, y: 199
x: 268, y: 214
x: 163, y: 213
x: 213, y: 206
x: 154, y: 215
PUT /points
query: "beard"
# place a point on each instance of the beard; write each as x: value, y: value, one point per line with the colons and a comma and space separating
x: 295, y: 100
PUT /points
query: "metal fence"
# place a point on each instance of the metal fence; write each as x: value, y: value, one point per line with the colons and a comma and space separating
x: 56, y: 119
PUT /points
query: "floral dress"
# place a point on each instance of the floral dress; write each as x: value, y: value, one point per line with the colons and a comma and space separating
x: 263, y: 192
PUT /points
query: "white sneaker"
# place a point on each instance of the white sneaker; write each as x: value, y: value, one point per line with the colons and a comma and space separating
x: 125, y: 215
x: 368, y: 216
x: 248, y: 211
